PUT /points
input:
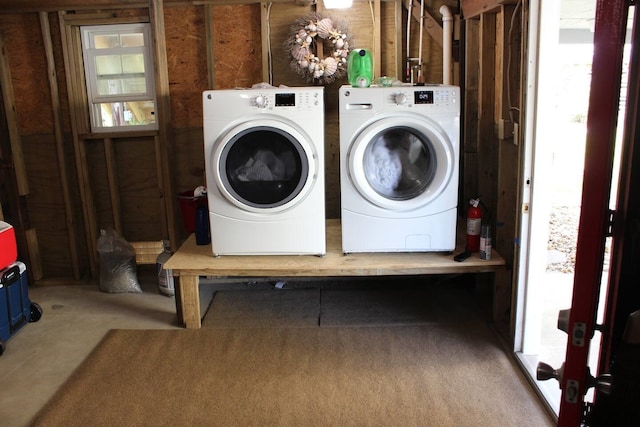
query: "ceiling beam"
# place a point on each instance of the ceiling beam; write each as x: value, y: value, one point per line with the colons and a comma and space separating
x: 21, y: 6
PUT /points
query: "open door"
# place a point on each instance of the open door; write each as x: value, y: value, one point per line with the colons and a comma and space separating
x: 581, y: 307
x: 620, y: 351
x: 596, y: 219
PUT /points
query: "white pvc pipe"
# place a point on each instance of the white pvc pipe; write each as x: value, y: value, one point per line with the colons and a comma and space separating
x: 447, y: 41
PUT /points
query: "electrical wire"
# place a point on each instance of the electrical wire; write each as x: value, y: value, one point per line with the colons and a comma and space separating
x: 269, y: 55
x: 420, y: 41
x: 511, y: 27
x: 409, y: 18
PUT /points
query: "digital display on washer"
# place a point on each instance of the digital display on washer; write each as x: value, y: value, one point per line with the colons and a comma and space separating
x: 285, y: 99
x: 423, y: 97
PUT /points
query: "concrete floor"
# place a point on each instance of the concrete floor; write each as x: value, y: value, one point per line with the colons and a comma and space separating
x: 41, y: 355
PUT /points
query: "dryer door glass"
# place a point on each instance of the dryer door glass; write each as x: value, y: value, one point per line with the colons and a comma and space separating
x: 399, y: 163
x: 263, y: 167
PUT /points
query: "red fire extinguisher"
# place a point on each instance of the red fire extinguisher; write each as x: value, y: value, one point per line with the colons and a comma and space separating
x: 474, y: 225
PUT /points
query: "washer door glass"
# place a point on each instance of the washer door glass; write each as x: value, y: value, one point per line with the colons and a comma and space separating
x: 401, y: 163
x: 263, y: 167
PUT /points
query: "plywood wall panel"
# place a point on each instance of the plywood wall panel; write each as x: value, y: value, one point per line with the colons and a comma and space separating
x: 236, y: 45
x: 187, y: 63
x: 282, y: 19
x: 29, y: 73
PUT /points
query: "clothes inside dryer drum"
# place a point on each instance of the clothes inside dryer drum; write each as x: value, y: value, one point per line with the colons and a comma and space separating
x: 264, y: 167
x: 399, y: 164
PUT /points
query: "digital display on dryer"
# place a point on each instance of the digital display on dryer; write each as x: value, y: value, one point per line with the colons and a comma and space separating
x: 285, y: 99
x: 423, y: 97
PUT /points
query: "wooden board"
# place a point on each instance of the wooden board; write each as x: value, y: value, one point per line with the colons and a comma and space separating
x: 192, y: 259
x: 473, y: 8
x: 147, y: 252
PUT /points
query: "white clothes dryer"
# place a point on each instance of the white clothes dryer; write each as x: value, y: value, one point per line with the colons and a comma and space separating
x: 399, y: 154
x: 264, y: 159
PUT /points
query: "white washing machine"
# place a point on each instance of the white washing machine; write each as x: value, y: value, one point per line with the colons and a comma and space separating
x: 264, y: 159
x: 399, y: 153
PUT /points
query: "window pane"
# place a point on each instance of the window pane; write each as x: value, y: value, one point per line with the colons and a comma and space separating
x: 108, y: 65
x: 106, y: 41
x: 122, y: 86
x: 120, y: 74
x: 120, y: 64
x: 133, y: 63
x: 116, y: 114
x: 109, y: 41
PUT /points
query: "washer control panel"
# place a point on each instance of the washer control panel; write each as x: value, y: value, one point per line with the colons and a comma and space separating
x: 298, y: 100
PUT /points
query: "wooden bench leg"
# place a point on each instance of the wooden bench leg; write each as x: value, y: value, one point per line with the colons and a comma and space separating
x: 189, y: 303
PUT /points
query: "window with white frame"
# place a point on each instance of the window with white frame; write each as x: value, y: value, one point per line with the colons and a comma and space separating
x: 118, y: 67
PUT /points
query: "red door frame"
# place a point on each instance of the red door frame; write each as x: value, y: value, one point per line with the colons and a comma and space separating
x: 602, y: 117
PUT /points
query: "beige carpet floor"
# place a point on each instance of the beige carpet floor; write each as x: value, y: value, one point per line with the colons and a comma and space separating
x: 283, y: 368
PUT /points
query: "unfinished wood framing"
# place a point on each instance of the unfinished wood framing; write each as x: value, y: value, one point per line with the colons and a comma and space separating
x: 267, y: 65
x: 510, y: 91
x: 20, y: 172
x: 377, y: 39
x: 488, y: 144
x: 211, y: 69
x: 431, y: 25
x: 163, y: 107
x: 474, y: 8
x: 70, y: 37
x: 12, y: 120
x: 81, y: 136
x: 494, y: 92
x: 114, y: 191
x: 376, y: 25
x: 507, y: 112
x: 62, y: 163
x: 471, y: 132
x: 399, y: 33
x: 22, y: 6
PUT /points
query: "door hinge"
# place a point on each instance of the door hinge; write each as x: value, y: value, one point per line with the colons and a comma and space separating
x: 611, y: 218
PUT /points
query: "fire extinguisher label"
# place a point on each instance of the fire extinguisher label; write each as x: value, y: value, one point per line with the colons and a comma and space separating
x: 473, y: 226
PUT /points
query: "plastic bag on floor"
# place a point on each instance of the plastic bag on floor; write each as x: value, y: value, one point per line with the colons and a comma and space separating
x: 118, y: 271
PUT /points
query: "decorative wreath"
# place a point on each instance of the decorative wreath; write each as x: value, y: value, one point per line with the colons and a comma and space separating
x: 312, y: 37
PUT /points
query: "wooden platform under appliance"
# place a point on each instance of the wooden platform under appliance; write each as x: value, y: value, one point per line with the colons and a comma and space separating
x: 192, y: 261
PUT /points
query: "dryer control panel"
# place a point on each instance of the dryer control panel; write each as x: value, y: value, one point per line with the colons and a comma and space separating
x: 437, y: 98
